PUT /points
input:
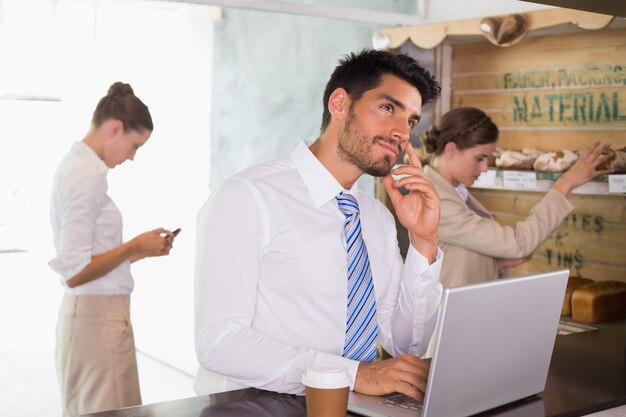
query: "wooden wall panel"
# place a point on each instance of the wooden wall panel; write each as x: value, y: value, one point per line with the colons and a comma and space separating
x: 593, y: 271
x: 591, y: 242
x: 549, y: 139
x: 552, y: 92
x: 581, y: 228
x: 546, y: 52
x: 597, y: 109
x: 610, y: 208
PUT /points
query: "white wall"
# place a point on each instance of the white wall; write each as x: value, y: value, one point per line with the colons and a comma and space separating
x: 72, y: 51
x: 168, y: 181
x: 164, y: 50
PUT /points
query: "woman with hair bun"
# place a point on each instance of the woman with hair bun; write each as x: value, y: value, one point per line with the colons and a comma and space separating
x: 95, y: 348
x: 477, y: 247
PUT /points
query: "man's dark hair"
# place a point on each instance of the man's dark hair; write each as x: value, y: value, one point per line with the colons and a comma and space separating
x: 363, y: 71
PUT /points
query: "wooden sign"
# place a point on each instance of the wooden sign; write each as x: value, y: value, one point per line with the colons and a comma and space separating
x: 556, y: 92
x: 591, y: 242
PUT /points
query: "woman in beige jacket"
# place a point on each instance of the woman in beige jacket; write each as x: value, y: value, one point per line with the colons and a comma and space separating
x: 477, y: 248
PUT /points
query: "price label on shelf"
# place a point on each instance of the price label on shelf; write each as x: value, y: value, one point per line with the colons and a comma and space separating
x: 520, y: 180
x: 486, y: 179
x: 617, y: 184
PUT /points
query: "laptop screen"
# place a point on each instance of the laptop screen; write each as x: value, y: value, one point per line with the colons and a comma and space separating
x: 494, y: 343
x: 493, y: 346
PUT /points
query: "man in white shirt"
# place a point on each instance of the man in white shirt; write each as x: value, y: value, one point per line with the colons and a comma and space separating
x: 272, y: 269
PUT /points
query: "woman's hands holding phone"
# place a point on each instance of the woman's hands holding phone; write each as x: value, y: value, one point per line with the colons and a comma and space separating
x: 157, y: 242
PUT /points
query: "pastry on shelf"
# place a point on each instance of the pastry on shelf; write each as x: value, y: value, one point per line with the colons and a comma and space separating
x: 558, y: 161
x: 491, y: 159
x: 616, y: 161
x: 619, y: 162
x: 534, y: 153
x: 510, y: 159
x: 607, y: 163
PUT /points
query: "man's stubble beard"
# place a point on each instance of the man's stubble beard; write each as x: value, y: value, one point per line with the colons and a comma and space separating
x: 355, y: 148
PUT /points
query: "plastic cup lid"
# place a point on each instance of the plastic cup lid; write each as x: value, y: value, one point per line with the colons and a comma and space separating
x: 327, y: 376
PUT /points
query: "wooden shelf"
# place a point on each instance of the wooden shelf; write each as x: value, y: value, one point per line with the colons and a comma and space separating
x: 545, y: 181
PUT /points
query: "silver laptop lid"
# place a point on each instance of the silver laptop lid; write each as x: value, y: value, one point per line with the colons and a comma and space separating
x: 494, y: 343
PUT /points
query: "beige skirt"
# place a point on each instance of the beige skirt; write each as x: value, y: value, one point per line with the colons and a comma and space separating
x: 95, y: 354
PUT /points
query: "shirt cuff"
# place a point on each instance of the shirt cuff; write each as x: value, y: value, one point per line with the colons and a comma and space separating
x: 422, y: 281
x: 55, y: 265
x: 351, y: 365
x: 67, y: 270
x: 419, y: 267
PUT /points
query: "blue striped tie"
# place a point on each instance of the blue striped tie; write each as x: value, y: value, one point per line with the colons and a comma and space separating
x: 361, y: 326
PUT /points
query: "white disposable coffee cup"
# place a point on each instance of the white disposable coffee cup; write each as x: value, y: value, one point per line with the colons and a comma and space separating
x: 326, y: 387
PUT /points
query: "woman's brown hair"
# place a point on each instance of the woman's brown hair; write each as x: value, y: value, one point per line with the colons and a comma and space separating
x: 120, y: 103
x: 465, y: 126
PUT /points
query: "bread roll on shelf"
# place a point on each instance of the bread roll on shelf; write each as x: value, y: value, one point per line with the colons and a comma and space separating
x: 514, y: 160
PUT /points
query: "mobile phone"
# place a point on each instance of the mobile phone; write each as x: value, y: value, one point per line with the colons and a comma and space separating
x: 175, y: 233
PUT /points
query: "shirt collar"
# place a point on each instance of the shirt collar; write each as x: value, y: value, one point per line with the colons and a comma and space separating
x: 320, y: 183
x: 83, y: 149
x: 462, y: 191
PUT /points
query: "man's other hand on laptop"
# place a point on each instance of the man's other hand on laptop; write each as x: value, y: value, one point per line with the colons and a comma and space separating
x: 405, y: 374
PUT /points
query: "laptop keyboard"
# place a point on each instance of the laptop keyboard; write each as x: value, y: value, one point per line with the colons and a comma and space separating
x: 404, y: 402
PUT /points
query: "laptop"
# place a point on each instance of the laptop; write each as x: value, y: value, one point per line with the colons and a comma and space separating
x: 493, y: 346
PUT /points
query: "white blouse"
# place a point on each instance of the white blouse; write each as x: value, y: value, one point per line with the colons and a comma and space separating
x: 85, y: 222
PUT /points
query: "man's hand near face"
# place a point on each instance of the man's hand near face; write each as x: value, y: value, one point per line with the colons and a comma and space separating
x: 418, y: 210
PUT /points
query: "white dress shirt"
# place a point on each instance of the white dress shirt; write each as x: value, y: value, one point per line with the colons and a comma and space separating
x: 271, y: 278
x: 85, y: 222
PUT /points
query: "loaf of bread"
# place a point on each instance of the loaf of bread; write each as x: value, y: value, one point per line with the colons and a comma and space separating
x: 491, y: 159
x: 532, y: 152
x: 572, y: 284
x: 611, y: 157
x: 514, y: 160
x: 558, y: 161
x: 619, y: 163
x: 616, y: 160
x: 599, y: 301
